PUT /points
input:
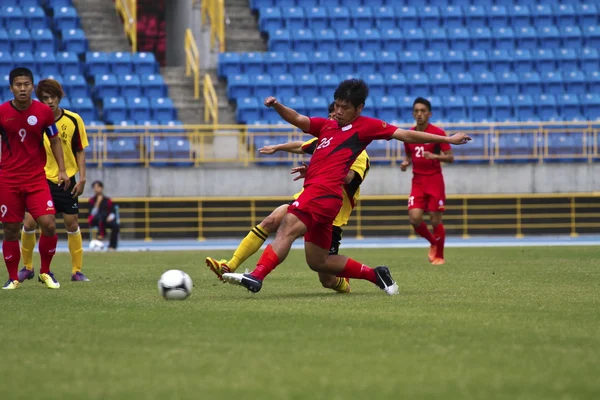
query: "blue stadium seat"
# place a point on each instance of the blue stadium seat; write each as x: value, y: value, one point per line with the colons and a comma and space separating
x: 525, y: 109
x: 45, y: 63
x: 74, y: 40
x: 553, y: 82
x: 5, y: 42
x: 589, y: 59
x: 144, y: 63
x: 328, y: 83
x: 571, y: 36
x: 527, y: 38
x: 284, y: 85
x: 591, y: 103
x: 96, y: 63
x: 321, y: 62
x: 317, y: 18
x: 459, y: 39
x: 362, y: 17
x: 591, y: 36
x: 504, y: 38
x: 23, y: 58
x: 431, y: 63
x: 115, y: 109
x: 429, y: 16
x: 279, y: 40
x: 481, y: 38
x: 437, y: 39
x: 515, y: 144
x: 238, y: 86
x: 501, y: 108
x: 542, y: 15
x: 477, y: 60
x: 21, y: 40
x: 593, y: 81
x: 162, y: 108
x: 486, y: 84
x: 379, y: 152
x: 419, y: 84
x: 455, y: 108
x: 479, y: 108
x: 303, y: 39
x: 153, y: 85
x: 547, y: 107
x: 587, y: 15
x: 131, y: 87
x: 274, y: 62
x: 531, y: 83
x: 12, y: 17
x: 396, y: 83
x: 497, y: 16
x: 500, y: 60
x: 66, y: 17
x: 387, y: 108
x: 455, y: 61
x: 43, y: 39
x: 370, y: 39
x: 508, y: 83
x: 35, y: 17
x: 570, y: 106
x: 158, y: 149
x: 376, y: 85
x: 123, y: 151
x: 294, y: 18
x: 394, y: 39
x: 228, y: 64
x: 575, y: 81
x: 298, y: 63
x: 69, y: 63
x: 441, y: 84
x: 545, y: 60
x: 84, y: 107
x: 327, y: 40
x: 317, y: 106
x: 106, y: 86
x: 566, y: 59
x: 139, y: 108
x: 262, y: 85
x: 348, y: 39
x: 475, y: 16
x: 565, y: 146
x: 549, y: 37
x: 6, y: 61
x: 520, y: 15
x: 405, y: 106
x: 181, y: 151
x: 307, y: 85
x: 76, y: 86
x: 407, y: 17
x: 365, y: 62
x: 270, y: 19
x: 252, y: 63
x: 343, y: 62
x: 386, y: 18
x: 464, y: 84
x: 452, y: 17
x: 565, y: 14
x: 58, y: 3
x: 339, y: 18
x: 120, y: 63
x: 411, y: 62
x: 297, y: 103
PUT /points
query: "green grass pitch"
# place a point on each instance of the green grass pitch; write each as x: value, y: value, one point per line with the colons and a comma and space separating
x: 494, y: 323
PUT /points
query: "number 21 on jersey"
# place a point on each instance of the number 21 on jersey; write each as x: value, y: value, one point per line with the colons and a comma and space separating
x: 419, y: 151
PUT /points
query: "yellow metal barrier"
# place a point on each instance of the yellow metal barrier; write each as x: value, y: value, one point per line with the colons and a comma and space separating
x: 492, y: 143
x: 192, y: 60
x: 466, y: 215
x: 211, y: 101
x: 214, y: 10
x: 127, y: 9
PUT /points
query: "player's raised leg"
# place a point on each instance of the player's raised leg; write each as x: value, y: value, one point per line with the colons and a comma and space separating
x: 290, y: 229
x: 75, y: 243
x: 28, y: 241
x: 440, y: 237
x: 250, y: 244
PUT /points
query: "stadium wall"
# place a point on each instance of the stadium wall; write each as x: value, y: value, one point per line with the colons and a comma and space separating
x: 382, y: 180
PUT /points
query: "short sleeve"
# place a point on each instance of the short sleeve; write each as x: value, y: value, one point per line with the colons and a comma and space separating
x: 376, y: 129
x: 361, y: 164
x: 49, y: 125
x: 316, y: 124
x: 309, y: 146
x: 83, y: 140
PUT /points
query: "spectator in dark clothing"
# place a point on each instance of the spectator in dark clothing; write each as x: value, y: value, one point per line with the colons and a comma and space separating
x: 102, y: 215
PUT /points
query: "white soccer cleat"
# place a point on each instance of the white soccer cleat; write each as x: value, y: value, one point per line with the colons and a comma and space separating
x: 246, y: 280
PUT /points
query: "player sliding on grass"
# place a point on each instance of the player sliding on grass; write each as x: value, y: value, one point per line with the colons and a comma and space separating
x: 257, y: 236
x: 428, y: 193
x: 313, y: 213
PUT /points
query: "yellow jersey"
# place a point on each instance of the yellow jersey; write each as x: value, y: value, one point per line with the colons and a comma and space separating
x: 71, y: 131
x: 352, y: 190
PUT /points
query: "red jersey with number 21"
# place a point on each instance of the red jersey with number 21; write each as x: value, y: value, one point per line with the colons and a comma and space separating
x: 421, y: 165
x: 23, y: 155
x: 338, y: 148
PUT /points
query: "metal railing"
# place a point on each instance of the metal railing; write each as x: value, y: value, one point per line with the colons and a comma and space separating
x: 127, y: 9
x: 214, y: 10
x: 492, y: 143
x: 192, y: 60
x: 466, y: 215
x: 211, y: 101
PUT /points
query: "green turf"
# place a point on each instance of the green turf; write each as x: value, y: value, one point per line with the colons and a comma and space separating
x: 502, y: 323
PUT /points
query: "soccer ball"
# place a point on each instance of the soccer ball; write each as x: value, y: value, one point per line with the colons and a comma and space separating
x: 175, y: 285
x: 96, y: 245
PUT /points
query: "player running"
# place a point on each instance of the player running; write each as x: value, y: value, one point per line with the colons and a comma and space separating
x: 428, y: 193
x: 74, y: 140
x: 257, y: 236
x: 313, y: 213
x: 22, y: 178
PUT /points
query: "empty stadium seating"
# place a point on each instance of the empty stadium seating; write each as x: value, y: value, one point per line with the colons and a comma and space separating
x: 480, y: 61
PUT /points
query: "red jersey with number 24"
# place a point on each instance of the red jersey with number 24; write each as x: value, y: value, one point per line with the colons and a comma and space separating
x: 421, y: 165
x: 338, y: 148
x: 23, y: 155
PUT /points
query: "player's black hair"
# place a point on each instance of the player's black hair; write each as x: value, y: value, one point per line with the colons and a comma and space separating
x: 425, y: 102
x: 331, y: 108
x: 354, y: 91
x: 99, y: 183
x: 20, y: 71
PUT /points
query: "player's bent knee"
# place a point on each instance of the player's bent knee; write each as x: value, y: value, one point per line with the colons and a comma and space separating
x: 11, y: 232
x: 328, y: 281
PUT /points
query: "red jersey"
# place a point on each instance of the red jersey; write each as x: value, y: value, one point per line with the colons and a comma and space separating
x: 22, y: 154
x: 338, y: 148
x: 421, y: 165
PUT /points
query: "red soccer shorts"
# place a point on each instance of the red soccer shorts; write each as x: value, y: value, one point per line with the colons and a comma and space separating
x: 317, y: 210
x: 428, y: 193
x: 34, y: 197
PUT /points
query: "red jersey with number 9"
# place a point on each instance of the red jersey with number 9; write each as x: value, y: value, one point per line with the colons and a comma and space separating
x: 23, y: 155
x: 421, y: 165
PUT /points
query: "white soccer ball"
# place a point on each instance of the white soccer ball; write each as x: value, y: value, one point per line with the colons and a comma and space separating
x: 96, y: 245
x: 175, y: 285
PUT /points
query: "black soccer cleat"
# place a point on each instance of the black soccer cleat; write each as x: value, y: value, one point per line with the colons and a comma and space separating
x: 246, y: 280
x: 385, y: 280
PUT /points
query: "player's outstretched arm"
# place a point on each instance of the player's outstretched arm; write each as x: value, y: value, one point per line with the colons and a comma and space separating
x: 288, y: 114
x: 57, y: 151
x: 410, y: 136
x: 290, y: 147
